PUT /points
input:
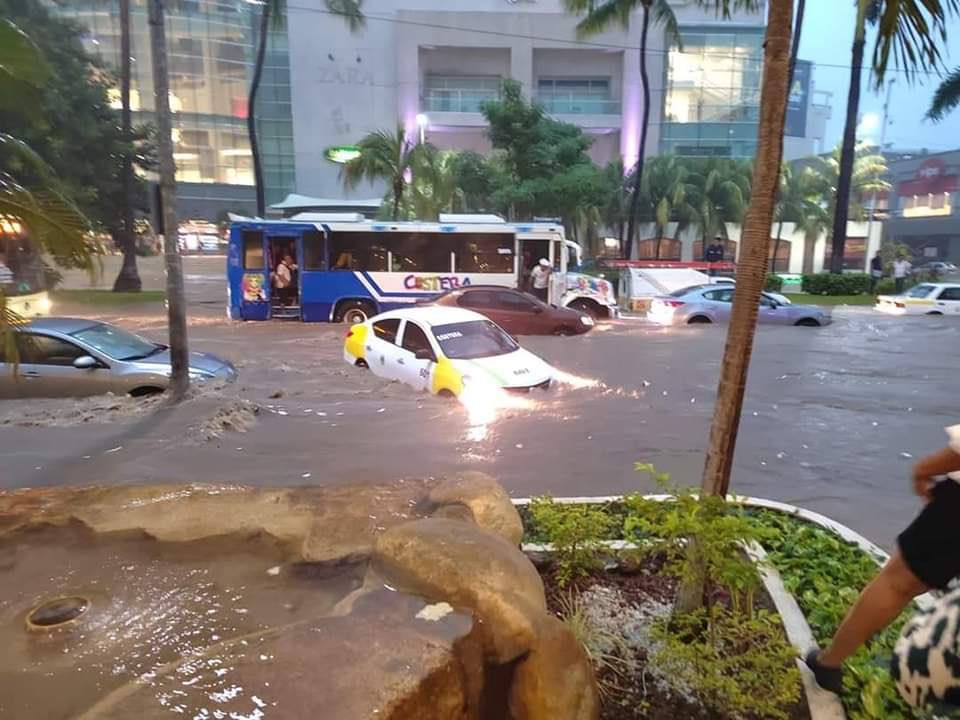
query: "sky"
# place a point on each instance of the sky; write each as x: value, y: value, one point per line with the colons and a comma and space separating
x: 827, y: 39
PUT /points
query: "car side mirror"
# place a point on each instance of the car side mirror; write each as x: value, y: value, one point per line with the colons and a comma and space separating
x: 424, y: 354
x: 85, y: 362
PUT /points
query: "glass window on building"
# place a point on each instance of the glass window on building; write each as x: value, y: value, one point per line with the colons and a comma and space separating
x: 712, y: 102
x: 576, y: 95
x: 459, y: 93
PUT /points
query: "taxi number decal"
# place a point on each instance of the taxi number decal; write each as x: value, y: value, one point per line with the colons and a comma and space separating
x: 424, y: 373
x: 449, y: 336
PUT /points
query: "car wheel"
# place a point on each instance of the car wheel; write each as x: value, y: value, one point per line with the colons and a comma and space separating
x: 353, y: 312
x: 807, y: 322
x: 361, y: 363
x: 145, y: 391
x: 446, y: 394
x: 699, y: 320
x: 589, y: 308
x: 564, y: 331
x: 934, y: 312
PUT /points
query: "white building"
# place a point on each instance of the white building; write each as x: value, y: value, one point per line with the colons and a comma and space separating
x: 441, y: 60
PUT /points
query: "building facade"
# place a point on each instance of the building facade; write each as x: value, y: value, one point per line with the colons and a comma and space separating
x: 439, y: 61
x: 211, y: 48
x: 923, y: 207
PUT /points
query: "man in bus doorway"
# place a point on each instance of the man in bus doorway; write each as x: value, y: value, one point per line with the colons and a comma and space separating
x: 540, y: 279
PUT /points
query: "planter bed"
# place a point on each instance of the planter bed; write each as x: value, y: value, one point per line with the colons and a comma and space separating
x: 822, y: 570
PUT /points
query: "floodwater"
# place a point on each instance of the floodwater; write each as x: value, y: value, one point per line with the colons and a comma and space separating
x: 159, y: 616
x: 833, y: 417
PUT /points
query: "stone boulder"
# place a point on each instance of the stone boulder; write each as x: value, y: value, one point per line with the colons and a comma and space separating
x: 394, y: 657
x: 472, y: 568
x: 489, y: 503
x: 555, y: 680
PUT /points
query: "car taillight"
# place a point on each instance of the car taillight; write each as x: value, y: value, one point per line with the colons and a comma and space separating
x: 671, y: 303
x: 900, y: 305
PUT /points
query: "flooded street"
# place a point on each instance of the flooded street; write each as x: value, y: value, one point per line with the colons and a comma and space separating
x: 832, y: 421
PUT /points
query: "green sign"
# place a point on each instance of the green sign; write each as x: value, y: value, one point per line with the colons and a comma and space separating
x: 342, y: 154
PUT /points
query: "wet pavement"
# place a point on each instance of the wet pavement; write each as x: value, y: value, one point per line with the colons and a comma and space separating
x: 833, y: 416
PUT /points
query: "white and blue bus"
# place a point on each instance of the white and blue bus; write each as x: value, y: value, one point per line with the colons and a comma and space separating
x: 349, y: 268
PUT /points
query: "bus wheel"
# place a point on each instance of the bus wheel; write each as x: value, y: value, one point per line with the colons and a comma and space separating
x: 354, y: 311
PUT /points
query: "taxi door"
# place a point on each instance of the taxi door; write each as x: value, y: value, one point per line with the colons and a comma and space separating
x: 410, y: 369
x: 948, y: 301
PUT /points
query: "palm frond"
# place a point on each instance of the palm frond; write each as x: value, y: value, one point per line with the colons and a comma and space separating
x: 663, y: 15
x: 350, y: 10
x: 602, y: 16
x: 9, y: 322
x: 946, y: 98
x: 911, y: 32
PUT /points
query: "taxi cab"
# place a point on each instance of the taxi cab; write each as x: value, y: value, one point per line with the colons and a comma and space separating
x: 443, y: 350
x: 923, y: 299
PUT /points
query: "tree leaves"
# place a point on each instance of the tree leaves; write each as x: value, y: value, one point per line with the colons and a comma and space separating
x: 946, y: 98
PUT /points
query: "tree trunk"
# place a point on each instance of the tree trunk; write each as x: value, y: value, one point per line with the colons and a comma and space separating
x: 176, y: 305
x: 644, y: 123
x: 751, y: 272
x: 797, y: 33
x: 129, y: 278
x: 397, y: 197
x: 251, y: 109
x: 776, y: 248
x: 849, y: 149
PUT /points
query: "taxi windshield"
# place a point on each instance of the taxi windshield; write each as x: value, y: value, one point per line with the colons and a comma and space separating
x: 473, y: 339
x: 920, y: 291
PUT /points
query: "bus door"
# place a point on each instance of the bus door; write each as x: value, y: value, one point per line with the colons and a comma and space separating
x: 284, y: 302
x: 529, y: 253
x: 255, y: 277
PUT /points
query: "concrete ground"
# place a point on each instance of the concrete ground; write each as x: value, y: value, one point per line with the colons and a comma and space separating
x: 833, y: 416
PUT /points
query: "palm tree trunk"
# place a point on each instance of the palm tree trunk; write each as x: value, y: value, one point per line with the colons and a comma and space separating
x: 644, y: 123
x: 251, y: 108
x: 397, y: 197
x: 776, y: 248
x: 128, y: 280
x: 849, y: 149
x: 176, y: 306
x: 751, y: 273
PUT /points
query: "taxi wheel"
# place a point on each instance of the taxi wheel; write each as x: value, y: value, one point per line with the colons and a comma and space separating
x: 934, y: 312
x: 446, y: 394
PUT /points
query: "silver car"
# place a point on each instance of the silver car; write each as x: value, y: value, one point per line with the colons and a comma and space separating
x: 61, y: 357
x: 710, y: 304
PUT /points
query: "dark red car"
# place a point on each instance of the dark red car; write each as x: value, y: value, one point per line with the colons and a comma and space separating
x: 517, y: 312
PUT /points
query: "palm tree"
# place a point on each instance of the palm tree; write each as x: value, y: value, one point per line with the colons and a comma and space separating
x: 946, y: 98
x: 128, y: 279
x: 665, y: 195
x: 911, y: 31
x: 615, y: 211
x: 434, y: 188
x: 599, y: 18
x: 391, y: 157
x: 272, y: 15
x: 722, y: 193
x: 800, y: 201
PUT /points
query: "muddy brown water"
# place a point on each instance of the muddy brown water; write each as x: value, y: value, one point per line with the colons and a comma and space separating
x: 189, y: 611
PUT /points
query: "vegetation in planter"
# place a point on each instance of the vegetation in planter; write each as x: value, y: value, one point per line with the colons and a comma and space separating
x: 831, y: 284
x: 773, y: 283
x: 576, y: 532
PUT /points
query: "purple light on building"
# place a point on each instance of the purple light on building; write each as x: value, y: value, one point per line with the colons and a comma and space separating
x: 630, y: 128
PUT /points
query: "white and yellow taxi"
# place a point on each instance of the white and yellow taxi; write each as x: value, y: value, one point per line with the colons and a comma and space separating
x: 443, y: 350
x: 923, y: 299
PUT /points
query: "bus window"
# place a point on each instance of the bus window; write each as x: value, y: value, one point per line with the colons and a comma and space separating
x: 253, y: 250
x: 421, y: 252
x: 479, y: 253
x: 357, y: 251
x: 313, y: 256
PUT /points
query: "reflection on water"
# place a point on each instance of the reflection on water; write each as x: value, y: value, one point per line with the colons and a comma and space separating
x: 484, y: 403
x: 159, y: 613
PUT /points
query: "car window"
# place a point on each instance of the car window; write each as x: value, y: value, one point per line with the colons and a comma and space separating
x: 387, y: 329
x: 513, y: 301
x: 767, y: 302
x: 725, y: 295
x: 920, y: 291
x: 46, y: 350
x: 950, y: 293
x: 116, y: 342
x: 415, y: 339
x: 684, y: 290
x: 476, y: 299
x: 473, y: 339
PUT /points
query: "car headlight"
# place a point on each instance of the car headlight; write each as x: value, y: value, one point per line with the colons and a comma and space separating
x: 586, y: 320
x: 199, y: 375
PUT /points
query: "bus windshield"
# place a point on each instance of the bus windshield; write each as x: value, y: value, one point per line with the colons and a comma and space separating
x: 473, y: 339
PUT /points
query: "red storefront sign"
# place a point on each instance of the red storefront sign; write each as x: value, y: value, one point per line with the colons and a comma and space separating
x: 931, y: 179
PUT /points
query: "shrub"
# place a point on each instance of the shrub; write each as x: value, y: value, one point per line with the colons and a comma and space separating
x: 576, y: 533
x: 831, y: 284
x: 774, y: 283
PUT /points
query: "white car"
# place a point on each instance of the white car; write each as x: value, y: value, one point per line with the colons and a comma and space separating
x: 443, y: 350
x: 923, y: 299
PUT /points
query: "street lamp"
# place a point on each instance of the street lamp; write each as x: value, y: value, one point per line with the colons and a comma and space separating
x: 422, y: 122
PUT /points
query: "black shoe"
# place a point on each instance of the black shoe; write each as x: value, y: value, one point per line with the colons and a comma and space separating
x: 827, y: 677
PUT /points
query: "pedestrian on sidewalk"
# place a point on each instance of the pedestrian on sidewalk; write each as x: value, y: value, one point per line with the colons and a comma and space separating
x: 927, y: 557
x: 901, y: 268
x: 876, y: 272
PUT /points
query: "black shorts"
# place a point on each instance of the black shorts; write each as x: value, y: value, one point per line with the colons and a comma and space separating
x: 931, y: 544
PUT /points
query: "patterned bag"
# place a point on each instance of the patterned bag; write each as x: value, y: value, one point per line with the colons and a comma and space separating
x: 926, y: 659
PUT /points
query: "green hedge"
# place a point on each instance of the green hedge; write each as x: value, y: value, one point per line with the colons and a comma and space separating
x: 774, y: 283
x: 830, y: 284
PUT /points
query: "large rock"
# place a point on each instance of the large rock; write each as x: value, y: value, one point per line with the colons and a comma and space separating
x: 489, y: 503
x: 469, y: 568
x: 394, y: 657
x: 555, y: 681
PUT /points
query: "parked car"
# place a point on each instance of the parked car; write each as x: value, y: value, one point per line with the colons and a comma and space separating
x: 782, y: 299
x: 73, y: 357
x: 939, y: 267
x: 923, y: 299
x: 518, y: 313
x: 710, y: 304
x: 443, y: 350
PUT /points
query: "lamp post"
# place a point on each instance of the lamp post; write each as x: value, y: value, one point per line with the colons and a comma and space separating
x: 422, y: 122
